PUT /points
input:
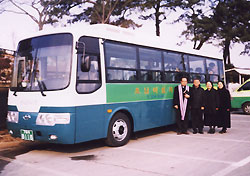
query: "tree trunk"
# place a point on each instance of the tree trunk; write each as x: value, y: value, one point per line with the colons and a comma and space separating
x: 200, y: 45
x: 40, y: 25
x: 226, y: 51
x: 157, y: 20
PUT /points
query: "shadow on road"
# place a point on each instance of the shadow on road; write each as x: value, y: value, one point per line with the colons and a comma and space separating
x: 25, y: 146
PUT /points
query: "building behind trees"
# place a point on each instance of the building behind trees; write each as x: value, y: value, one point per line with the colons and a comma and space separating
x: 6, y: 62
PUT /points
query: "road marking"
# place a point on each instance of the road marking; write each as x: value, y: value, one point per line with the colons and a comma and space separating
x: 36, y: 167
x: 173, y: 155
x: 233, y: 167
x: 206, y: 138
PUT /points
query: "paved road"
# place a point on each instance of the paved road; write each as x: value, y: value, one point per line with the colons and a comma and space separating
x: 154, y: 153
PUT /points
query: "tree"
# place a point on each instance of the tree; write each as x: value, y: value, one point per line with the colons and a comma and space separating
x: 228, y: 23
x: 1, y: 6
x: 160, y: 7
x: 105, y: 12
x: 246, y: 50
x: 40, y: 11
x: 199, y: 27
x: 232, y: 19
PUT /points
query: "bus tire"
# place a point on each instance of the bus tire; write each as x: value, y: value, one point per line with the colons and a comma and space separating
x: 246, y: 108
x: 119, y: 130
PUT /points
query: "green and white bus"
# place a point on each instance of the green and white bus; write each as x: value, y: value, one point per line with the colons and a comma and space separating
x: 240, y: 98
x: 98, y: 81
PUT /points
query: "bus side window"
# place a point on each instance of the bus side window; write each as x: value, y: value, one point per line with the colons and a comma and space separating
x: 245, y: 87
x: 150, y: 64
x: 175, y: 66
x: 175, y: 62
x: 221, y: 70
x: 88, y: 82
x: 121, y: 62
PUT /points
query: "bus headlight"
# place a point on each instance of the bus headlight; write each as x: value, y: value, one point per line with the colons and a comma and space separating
x: 12, y: 116
x: 51, y: 119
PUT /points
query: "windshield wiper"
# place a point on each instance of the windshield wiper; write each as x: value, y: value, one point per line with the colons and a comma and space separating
x: 16, y: 89
x: 41, y: 85
x: 15, y: 93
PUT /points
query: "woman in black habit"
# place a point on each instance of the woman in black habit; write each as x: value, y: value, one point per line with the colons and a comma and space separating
x: 224, y: 107
x: 210, y: 107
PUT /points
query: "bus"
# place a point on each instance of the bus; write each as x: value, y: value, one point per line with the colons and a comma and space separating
x: 240, y: 98
x: 98, y: 82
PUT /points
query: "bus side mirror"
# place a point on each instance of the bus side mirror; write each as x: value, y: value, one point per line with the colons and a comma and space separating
x: 85, y: 63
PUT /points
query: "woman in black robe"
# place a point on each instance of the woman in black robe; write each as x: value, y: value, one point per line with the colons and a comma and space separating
x: 210, y: 107
x: 224, y: 107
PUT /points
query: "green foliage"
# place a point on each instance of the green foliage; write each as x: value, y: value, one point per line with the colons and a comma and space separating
x: 227, y: 22
x: 99, y: 11
x: 161, y: 9
x: 199, y: 27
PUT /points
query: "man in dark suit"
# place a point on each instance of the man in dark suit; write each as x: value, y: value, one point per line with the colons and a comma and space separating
x: 181, y: 105
x: 197, y: 106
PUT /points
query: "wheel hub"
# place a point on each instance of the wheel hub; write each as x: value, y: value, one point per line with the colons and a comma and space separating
x: 247, y: 108
x: 120, y: 130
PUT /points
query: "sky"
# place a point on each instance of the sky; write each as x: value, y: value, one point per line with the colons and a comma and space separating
x: 15, y: 26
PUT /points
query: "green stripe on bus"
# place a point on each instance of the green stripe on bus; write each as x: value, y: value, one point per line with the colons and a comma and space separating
x: 139, y: 92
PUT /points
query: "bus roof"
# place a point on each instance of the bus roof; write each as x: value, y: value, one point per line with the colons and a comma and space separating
x: 111, y: 32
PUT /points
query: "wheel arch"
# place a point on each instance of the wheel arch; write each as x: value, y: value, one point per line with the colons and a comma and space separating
x: 242, y: 106
x: 123, y: 110
x: 244, y: 103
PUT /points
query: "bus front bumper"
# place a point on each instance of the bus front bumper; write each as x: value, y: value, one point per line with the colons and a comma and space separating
x: 30, y: 129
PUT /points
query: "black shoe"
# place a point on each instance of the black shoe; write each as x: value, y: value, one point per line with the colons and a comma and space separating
x: 221, y: 131
x: 194, y: 131
x: 185, y: 132
x: 201, y: 132
x: 210, y: 131
x: 213, y: 131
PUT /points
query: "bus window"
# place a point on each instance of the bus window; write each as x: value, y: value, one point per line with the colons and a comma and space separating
x: 212, y: 70
x: 150, y: 64
x: 121, y: 62
x: 90, y: 81
x: 171, y: 77
x: 40, y: 67
x: 121, y: 75
x: 120, y: 56
x: 212, y: 66
x: 175, y: 62
x: 221, y: 70
x: 213, y: 78
x: 197, y: 65
x: 193, y: 76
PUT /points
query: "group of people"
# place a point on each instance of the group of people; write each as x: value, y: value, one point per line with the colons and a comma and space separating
x: 214, y: 104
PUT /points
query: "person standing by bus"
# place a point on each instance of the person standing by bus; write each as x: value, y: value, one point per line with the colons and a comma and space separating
x: 210, y: 107
x: 197, y: 106
x: 181, y: 105
x: 224, y: 107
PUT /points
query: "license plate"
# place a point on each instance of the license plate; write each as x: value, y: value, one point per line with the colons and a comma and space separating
x: 27, y: 135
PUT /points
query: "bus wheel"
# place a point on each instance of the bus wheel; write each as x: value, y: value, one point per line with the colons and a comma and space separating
x: 119, y: 130
x: 246, y: 108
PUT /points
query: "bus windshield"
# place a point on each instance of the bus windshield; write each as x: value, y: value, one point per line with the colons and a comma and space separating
x: 43, y: 63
